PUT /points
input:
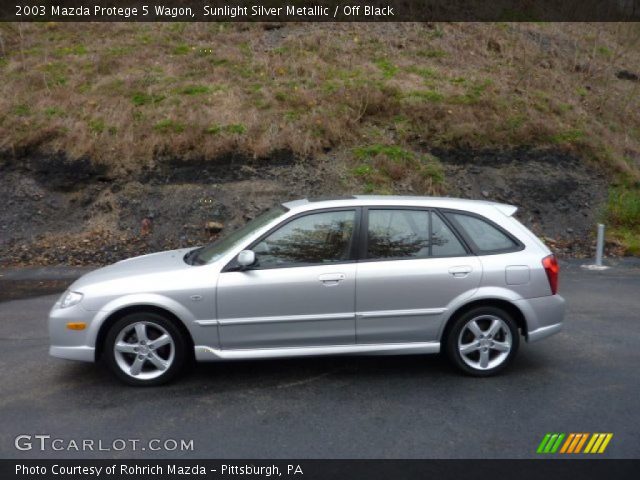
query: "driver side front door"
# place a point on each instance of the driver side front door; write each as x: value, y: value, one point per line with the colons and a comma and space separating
x: 300, y: 293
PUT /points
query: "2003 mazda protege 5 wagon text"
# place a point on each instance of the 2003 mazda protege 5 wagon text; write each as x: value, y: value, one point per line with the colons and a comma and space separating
x: 351, y: 275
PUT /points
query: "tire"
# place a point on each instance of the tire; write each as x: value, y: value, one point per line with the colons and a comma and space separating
x: 476, y: 348
x: 150, y: 350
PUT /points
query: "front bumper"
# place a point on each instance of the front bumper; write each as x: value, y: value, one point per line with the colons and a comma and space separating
x: 544, y: 316
x: 81, y: 353
x: 66, y: 343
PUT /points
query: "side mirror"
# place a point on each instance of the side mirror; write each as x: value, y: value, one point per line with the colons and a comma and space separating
x: 246, y: 258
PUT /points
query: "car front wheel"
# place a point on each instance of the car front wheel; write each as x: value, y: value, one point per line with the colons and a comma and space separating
x: 483, y: 341
x: 145, y: 349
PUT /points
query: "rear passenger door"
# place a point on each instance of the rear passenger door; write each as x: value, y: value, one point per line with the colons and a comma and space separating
x: 411, y: 266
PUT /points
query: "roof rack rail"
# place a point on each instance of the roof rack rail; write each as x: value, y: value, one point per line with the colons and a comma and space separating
x: 329, y: 197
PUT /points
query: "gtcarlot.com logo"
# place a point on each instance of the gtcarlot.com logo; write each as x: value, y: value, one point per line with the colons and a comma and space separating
x: 47, y: 442
x: 574, y: 443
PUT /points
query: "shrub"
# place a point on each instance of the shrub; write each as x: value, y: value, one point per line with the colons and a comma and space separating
x: 169, y: 126
x: 568, y: 136
x: 383, y: 165
x: 388, y: 69
x: 54, y: 112
x: 234, y: 128
x: 96, y: 125
x: 140, y: 98
x: 194, y: 90
x: 624, y: 206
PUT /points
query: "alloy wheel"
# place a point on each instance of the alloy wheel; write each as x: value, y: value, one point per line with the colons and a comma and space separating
x: 144, y: 350
x: 485, y: 342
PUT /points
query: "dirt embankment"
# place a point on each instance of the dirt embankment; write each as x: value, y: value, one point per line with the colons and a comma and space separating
x: 61, y: 212
x: 559, y: 196
x: 71, y: 212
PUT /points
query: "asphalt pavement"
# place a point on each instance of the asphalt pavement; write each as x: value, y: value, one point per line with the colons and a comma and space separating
x: 586, y: 379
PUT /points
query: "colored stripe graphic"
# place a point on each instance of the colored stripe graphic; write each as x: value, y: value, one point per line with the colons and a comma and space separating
x: 552, y: 439
x: 591, y: 443
x: 598, y: 443
x: 583, y: 439
x: 565, y: 447
x: 576, y: 441
x: 543, y: 443
x: 555, y: 443
x: 576, y: 438
x: 605, y: 443
x: 550, y: 443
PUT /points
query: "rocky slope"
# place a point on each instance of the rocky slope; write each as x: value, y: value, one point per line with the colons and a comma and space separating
x: 59, y: 212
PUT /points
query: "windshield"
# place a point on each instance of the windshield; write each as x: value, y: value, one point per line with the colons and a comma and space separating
x: 217, y: 249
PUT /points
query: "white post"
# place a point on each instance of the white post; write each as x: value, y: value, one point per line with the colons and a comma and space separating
x: 600, y: 245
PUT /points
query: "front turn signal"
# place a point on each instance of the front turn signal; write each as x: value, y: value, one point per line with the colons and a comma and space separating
x: 76, y: 325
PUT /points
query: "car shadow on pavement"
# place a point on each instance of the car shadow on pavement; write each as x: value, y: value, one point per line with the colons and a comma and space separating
x: 252, y: 375
x: 339, y: 372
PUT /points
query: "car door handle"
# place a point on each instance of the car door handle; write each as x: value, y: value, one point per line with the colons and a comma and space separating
x: 329, y: 279
x: 461, y: 271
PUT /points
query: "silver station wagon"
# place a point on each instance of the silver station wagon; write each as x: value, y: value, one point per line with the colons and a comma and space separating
x: 350, y: 275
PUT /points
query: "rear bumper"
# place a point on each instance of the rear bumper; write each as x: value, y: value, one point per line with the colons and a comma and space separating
x: 544, y: 316
x: 543, y: 332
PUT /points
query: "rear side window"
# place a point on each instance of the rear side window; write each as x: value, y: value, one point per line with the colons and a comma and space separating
x: 485, y: 236
x: 443, y: 242
x: 398, y: 234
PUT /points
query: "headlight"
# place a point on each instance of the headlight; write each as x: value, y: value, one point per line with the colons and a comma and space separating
x: 69, y: 299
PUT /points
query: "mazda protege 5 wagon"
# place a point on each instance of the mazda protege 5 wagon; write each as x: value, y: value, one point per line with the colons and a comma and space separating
x: 352, y: 275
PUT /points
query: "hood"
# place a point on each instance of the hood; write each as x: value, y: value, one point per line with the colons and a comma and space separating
x: 154, y: 263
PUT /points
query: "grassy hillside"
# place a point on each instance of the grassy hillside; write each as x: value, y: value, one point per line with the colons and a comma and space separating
x: 382, y: 95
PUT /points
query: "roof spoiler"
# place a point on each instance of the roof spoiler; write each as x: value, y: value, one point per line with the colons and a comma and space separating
x: 507, y: 210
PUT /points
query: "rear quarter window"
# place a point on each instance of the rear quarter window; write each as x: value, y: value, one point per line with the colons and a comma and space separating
x: 486, y: 237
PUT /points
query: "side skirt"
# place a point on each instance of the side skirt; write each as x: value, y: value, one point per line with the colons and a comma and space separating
x: 208, y: 354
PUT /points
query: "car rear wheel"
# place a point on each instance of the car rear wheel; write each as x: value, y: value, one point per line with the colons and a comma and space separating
x: 145, y: 349
x: 483, y: 341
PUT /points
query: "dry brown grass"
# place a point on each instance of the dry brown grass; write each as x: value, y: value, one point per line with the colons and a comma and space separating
x: 128, y: 94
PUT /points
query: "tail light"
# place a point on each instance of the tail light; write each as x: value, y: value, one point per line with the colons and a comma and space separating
x: 552, y: 268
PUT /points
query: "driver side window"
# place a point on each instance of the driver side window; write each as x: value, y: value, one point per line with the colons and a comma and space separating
x: 315, y: 239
